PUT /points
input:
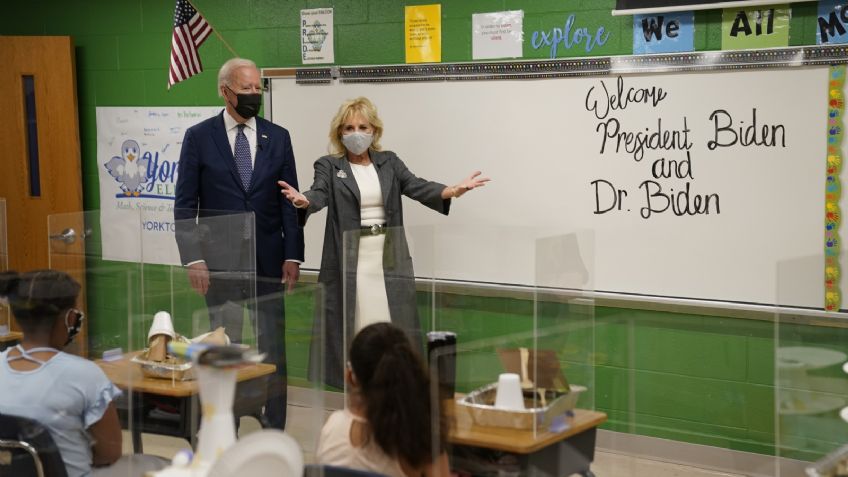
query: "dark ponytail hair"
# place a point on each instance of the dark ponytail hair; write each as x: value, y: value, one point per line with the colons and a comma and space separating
x: 37, y: 297
x: 395, y: 386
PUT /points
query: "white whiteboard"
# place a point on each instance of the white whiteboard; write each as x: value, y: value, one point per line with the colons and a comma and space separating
x: 541, y: 146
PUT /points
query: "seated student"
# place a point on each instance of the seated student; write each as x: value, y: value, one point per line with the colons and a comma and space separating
x: 69, y: 395
x: 387, y: 427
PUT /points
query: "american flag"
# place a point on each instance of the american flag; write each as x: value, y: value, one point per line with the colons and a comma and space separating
x: 190, y: 30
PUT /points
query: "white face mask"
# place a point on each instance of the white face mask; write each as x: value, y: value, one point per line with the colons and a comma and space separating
x: 357, y: 142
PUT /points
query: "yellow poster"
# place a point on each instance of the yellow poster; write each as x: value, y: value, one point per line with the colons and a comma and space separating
x: 423, y: 34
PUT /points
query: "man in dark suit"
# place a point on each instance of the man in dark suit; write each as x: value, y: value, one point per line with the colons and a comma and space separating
x: 237, y: 236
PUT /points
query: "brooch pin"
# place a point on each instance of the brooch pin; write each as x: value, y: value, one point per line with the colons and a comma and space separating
x: 341, y: 174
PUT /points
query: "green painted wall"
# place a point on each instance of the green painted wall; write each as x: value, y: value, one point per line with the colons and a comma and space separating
x: 694, y: 378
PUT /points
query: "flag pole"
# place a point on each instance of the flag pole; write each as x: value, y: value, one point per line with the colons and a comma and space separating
x: 214, y: 30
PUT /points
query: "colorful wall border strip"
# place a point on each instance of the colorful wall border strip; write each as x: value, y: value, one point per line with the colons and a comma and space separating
x: 833, y: 189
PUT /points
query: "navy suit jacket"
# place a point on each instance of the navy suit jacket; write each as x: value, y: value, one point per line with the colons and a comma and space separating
x: 209, y: 185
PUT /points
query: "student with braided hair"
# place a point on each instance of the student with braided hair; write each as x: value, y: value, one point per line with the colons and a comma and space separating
x: 389, y: 426
x: 68, y: 395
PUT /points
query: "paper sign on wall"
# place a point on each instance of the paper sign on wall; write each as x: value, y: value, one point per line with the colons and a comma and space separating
x: 138, y: 150
x: 664, y: 33
x: 755, y: 27
x: 497, y: 35
x: 316, y: 36
x: 832, y: 22
x: 423, y: 33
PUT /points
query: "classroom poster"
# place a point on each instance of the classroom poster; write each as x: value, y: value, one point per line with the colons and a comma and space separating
x: 755, y: 27
x: 832, y: 22
x: 664, y: 33
x: 423, y: 33
x: 497, y: 35
x: 316, y: 36
x: 138, y: 150
x: 576, y: 35
x: 833, y: 223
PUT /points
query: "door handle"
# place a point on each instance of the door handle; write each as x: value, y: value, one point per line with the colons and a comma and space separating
x: 68, y: 236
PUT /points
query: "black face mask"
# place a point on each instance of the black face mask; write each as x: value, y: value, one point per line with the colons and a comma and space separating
x: 248, y: 104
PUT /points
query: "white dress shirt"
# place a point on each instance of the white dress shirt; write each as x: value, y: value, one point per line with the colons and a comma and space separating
x: 231, y: 126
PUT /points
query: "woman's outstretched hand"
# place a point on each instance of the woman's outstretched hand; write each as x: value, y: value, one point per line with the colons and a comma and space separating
x: 296, y: 198
x: 471, y: 182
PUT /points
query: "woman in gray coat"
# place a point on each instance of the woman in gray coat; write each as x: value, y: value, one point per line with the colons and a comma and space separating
x: 362, y: 186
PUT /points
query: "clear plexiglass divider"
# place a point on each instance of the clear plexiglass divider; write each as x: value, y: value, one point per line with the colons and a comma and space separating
x: 137, y: 295
x: 199, y: 286
x: 112, y: 284
x: 309, y: 398
x: 208, y: 274
x: 810, y: 364
x: 503, y: 320
x: 111, y: 296
x: 225, y: 286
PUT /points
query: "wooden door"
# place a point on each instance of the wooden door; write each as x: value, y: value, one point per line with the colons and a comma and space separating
x: 40, y: 170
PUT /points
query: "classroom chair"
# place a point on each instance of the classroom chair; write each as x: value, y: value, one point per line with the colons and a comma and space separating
x: 27, y: 449
x: 315, y: 470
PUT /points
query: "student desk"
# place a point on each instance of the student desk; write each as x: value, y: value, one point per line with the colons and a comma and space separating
x: 10, y: 339
x: 546, y: 453
x: 144, y: 405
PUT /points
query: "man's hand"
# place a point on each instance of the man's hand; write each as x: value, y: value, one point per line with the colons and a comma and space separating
x: 291, y: 273
x: 198, y: 277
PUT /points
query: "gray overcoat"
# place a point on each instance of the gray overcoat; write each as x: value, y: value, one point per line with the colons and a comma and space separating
x: 334, y: 187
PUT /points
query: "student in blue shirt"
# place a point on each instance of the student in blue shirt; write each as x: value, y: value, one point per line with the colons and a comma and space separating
x: 69, y: 395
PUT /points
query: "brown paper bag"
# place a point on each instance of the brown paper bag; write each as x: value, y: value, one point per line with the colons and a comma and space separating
x: 543, y: 367
x: 217, y: 337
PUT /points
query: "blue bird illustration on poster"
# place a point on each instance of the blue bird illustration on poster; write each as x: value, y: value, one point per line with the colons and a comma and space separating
x: 129, y: 169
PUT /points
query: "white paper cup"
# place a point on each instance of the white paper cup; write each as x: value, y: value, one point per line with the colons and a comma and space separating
x: 162, y: 325
x: 509, y: 392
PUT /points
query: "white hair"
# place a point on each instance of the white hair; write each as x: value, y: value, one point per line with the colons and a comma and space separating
x: 225, y: 74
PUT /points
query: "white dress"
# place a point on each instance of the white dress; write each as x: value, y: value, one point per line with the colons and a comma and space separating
x: 372, y: 305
